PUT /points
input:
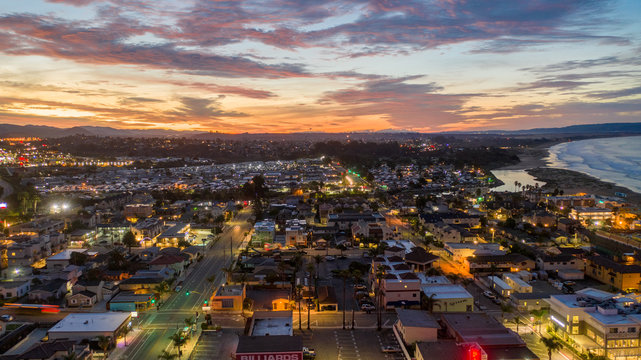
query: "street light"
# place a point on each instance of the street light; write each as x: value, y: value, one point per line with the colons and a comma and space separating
x: 492, y: 231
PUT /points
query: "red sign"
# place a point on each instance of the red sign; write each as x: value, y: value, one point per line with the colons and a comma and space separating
x: 271, y: 356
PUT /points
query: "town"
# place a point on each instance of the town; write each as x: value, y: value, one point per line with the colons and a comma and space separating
x: 308, y: 258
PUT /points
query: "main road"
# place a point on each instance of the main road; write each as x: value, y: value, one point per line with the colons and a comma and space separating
x: 158, y: 326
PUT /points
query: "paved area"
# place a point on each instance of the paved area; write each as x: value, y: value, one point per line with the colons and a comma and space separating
x: 338, y: 344
x: 214, y: 345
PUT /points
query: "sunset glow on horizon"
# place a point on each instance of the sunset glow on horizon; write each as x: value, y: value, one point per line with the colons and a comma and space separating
x: 332, y: 66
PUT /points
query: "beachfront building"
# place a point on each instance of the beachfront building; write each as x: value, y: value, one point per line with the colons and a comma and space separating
x: 598, y: 322
x: 591, y: 215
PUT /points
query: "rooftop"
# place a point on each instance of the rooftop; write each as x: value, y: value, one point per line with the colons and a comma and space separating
x: 416, y: 318
x: 272, y: 343
x: 94, y: 322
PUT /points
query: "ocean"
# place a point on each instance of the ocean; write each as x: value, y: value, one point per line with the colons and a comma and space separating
x: 616, y: 160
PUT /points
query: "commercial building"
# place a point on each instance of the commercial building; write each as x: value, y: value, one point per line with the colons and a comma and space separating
x: 130, y: 301
x: 228, y: 298
x: 594, y: 215
x: 598, y: 322
x: 271, y: 323
x: 264, y: 233
x: 281, y: 347
x: 416, y: 325
x: 81, y: 326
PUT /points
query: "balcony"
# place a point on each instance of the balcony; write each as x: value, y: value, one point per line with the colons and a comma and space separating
x: 622, y: 336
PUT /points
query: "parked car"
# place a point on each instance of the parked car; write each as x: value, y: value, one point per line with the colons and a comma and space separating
x: 497, y: 301
x: 6, y: 317
x: 569, y: 283
x: 488, y: 294
x: 360, y: 287
x: 368, y: 307
x: 330, y: 258
x: 390, y: 349
x: 308, y: 352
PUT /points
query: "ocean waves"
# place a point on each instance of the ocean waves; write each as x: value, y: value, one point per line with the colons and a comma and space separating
x: 616, y: 160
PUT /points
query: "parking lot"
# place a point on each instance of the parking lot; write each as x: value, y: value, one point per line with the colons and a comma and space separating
x: 338, y: 344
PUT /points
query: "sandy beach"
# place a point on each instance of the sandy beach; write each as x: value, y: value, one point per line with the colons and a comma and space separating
x: 571, y: 182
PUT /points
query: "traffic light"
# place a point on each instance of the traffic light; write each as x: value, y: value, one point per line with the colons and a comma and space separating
x: 153, y: 301
x: 187, y: 293
x: 206, y: 302
x: 475, y: 353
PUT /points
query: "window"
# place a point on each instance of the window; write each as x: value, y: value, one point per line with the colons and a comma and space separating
x: 614, y: 330
x: 575, y: 330
x: 228, y: 303
x: 632, y: 330
x: 575, y: 319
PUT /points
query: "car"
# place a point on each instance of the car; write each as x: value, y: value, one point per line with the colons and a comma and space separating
x: 308, y: 351
x: 368, y: 307
x: 330, y: 258
x: 569, y: 283
x: 6, y: 317
x: 390, y: 349
x: 178, y: 288
x: 360, y: 287
x: 488, y: 294
x: 497, y: 301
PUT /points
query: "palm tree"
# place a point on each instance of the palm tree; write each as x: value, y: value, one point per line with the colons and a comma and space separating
x: 505, y: 308
x: 538, y: 314
x: 299, y: 296
x: 517, y: 321
x: 70, y: 355
x: 165, y: 355
x: 552, y: 345
x: 310, y: 270
x: 104, y: 343
x: 282, y: 269
x: 343, y: 275
x: 380, y: 273
x: 428, y: 302
x: 35, y: 198
x: 178, y: 341
x: 126, y: 330
x: 190, y: 322
x: 229, y: 272
x: 161, y: 289
x: 356, y: 278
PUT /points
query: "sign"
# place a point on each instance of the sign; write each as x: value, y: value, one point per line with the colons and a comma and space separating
x: 297, y: 355
x: 206, y: 308
x: 3, y: 205
x: 134, y: 314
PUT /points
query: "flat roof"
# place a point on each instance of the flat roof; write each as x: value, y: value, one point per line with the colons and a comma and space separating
x: 271, y: 344
x: 416, y: 318
x: 91, y: 322
x: 450, y: 291
x: 66, y: 254
x: 272, y: 323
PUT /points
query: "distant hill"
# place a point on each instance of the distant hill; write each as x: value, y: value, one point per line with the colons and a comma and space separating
x: 9, y: 130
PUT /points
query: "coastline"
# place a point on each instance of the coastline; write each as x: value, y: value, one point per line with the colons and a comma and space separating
x: 571, y: 182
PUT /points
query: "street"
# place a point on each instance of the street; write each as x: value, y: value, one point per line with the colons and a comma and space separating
x: 158, y: 326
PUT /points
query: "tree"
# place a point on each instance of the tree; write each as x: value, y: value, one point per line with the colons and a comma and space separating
x: 428, y: 302
x: 77, y: 258
x: 299, y: 297
x: 104, y: 343
x: 517, y: 321
x: 380, y: 274
x: 190, y: 322
x: 538, y: 314
x: 70, y: 355
x: 161, y: 289
x: 166, y: 355
x: 344, y: 275
x: 178, y: 341
x: 229, y: 273
x: 552, y: 345
x: 356, y: 278
x: 182, y: 243
x: 126, y: 330
x: 129, y: 240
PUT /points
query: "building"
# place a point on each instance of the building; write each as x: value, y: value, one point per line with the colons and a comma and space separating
x: 271, y: 347
x: 599, y: 322
x: 82, y: 298
x: 620, y: 276
x: 54, y: 350
x: 10, y: 289
x: 228, y: 298
x: 138, y: 210
x: 81, y: 326
x: 130, y: 301
x: 416, y: 325
x: 559, y: 262
x: 271, y: 323
x: 503, y: 263
x: 264, y: 233
x: 591, y: 215
x: 516, y: 283
x: 172, y: 236
x: 448, y: 298
x: 500, y: 286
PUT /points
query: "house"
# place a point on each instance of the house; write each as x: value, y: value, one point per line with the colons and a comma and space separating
x: 94, y: 286
x: 81, y: 326
x: 269, y: 299
x: 10, y: 289
x: 82, y: 298
x: 419, y: 259
x: 54, y: 350
x: 176, y: 262
x: 55, y: 289
x: 140, y: 284
x: 327, y: 298
x: 559, y: 262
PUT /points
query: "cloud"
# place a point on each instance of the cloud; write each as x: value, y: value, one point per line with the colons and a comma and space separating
x: 204, y: 108
x: 137, y: 99
x: 405, y: 105
x: 617, y: 93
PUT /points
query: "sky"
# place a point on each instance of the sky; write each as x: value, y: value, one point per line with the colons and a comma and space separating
x: 310, y: 65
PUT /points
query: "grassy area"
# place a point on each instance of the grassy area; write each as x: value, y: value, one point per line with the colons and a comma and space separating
x: 13, y: 326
